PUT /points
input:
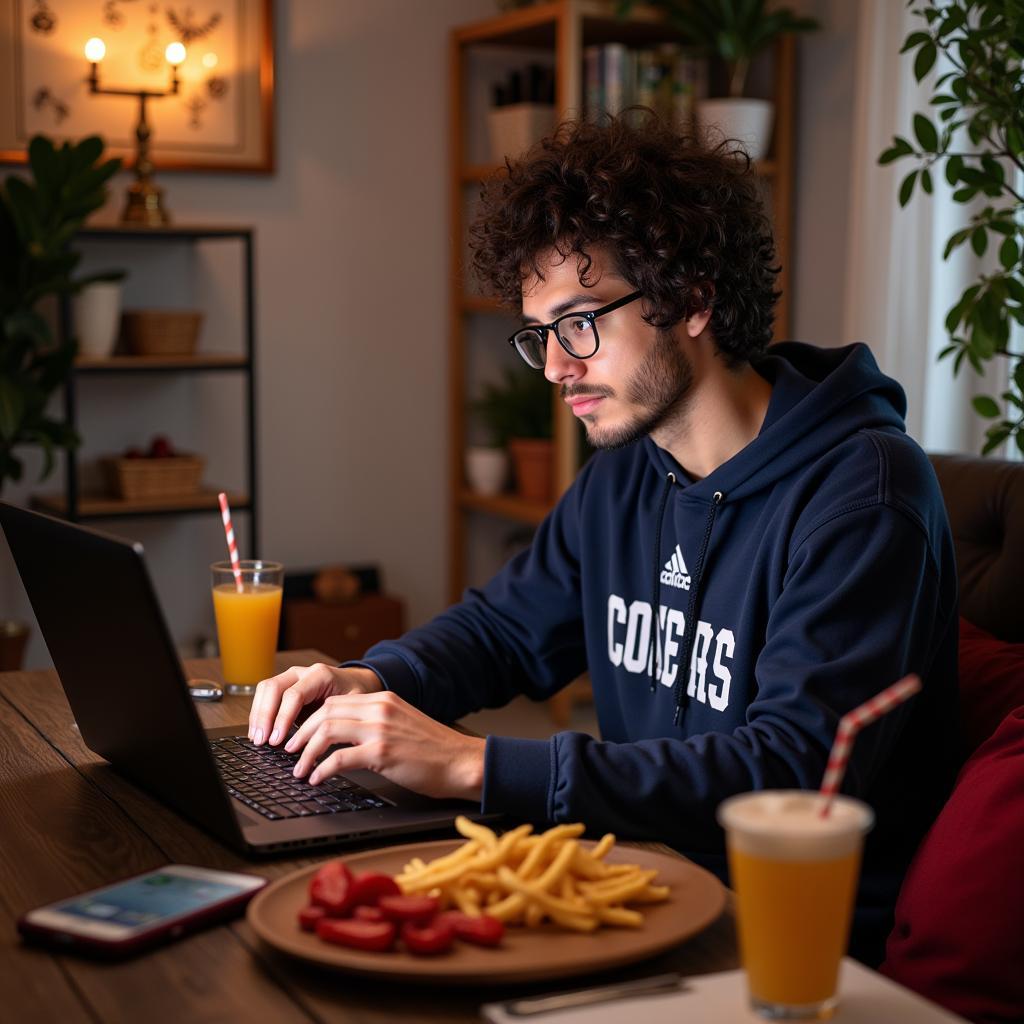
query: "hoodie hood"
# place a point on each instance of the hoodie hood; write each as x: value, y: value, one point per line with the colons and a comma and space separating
x: 819, y: 398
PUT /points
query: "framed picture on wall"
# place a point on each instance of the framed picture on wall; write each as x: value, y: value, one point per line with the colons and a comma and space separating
x: 221, y: 119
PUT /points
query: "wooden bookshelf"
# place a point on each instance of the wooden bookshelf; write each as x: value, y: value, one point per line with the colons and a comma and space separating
x: 508, y: 506
x: 558, y: 31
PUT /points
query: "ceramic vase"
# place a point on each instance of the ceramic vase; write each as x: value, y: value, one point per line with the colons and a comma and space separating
x: 749, y: 122
x: 97, y: 316
x: 486, y: 470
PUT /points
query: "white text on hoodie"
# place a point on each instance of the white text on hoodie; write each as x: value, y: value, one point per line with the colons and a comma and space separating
x: 629, y: 647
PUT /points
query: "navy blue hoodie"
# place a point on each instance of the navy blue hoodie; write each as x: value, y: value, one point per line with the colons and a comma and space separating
x: 798, y: 579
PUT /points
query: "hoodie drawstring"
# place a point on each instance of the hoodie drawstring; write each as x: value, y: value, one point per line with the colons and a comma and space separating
x: 655, y: 653
x: 683, y: 680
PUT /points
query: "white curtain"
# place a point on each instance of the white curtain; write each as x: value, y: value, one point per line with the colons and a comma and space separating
x: 899, y: 288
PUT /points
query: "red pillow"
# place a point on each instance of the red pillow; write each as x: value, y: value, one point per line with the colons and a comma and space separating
x: 991, y: 682
x: 959, y: 935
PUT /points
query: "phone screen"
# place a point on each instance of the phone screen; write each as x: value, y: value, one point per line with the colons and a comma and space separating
x: 144, y: 901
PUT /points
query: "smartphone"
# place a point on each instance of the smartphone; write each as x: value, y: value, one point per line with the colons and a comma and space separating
x: 127, y: 917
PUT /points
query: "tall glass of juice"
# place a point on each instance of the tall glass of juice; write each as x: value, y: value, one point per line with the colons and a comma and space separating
x: 795, y: 875
x: 247, y: 605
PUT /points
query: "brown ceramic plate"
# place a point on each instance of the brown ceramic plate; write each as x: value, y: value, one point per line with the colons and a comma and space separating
x: 536, y: 954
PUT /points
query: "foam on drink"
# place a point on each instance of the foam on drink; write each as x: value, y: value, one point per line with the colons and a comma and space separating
x: 788, y: 825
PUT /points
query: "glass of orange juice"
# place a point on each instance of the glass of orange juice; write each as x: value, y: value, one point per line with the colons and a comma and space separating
x: 795, y: 875
x: 247, y: 605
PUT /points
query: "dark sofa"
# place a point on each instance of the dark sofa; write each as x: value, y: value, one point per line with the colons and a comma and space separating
x: 959, y: 925
x: 985, y: 502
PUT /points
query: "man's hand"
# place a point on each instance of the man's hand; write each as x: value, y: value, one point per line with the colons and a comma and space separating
x: 391, y: 737
x: 278, y: 701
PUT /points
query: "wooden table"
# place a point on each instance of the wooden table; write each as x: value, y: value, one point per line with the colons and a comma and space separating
x: 69, y: 823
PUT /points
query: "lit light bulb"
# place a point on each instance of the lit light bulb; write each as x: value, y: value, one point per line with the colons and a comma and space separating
x: 175, y: 53
x: 95, y: 50
x: 209, y: 60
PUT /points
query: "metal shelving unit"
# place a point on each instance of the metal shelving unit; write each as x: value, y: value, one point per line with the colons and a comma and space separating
x: 72, y: 503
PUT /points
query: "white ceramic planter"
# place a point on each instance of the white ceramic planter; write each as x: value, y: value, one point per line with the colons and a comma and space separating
x: 747, y: 121
x: 487, y: 470
x: 514, y: 129
x: 97, y: 315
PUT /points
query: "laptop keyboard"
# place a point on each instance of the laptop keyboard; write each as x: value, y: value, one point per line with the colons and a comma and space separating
x: 261, y: 778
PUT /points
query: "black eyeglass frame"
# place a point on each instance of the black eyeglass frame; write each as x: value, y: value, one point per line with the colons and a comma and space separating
x: 591, y: 316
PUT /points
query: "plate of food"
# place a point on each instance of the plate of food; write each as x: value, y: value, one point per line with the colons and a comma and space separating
x: 516, y: 906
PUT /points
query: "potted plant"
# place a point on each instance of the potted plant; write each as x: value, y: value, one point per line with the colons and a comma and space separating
x: 978, y: 136
x: 517, y: 413
x: 38, y: 220
x: 735, y: 32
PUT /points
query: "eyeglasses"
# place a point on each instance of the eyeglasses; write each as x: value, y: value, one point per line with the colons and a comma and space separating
x: 576, y: 333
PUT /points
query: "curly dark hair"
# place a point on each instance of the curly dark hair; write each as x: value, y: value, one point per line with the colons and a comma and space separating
x: 684, y: 222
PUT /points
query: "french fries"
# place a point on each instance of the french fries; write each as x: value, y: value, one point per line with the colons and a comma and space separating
x: 526, y: 879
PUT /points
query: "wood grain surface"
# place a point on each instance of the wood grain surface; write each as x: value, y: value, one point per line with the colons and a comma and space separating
x: 71, y: 823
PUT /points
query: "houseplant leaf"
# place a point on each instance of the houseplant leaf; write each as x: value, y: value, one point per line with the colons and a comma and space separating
x: 38, y: 221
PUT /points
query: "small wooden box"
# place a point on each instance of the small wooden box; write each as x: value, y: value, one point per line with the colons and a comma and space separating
x: 344, y: 631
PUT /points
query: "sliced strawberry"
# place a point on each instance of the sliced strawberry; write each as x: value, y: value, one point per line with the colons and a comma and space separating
x: 308, y: 917
x: 409, y: 908
x: 369, y: 886
x: 437, y: 936
x: 372, y: 936
x: 481, y: 931
x: 368, y: 913
x: 332, y: 889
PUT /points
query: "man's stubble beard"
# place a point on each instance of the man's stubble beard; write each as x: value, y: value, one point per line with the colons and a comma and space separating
x: 661, y: 386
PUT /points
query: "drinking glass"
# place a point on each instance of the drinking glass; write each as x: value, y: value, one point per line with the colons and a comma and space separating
x: 795, y: 876
x: 247, y: 606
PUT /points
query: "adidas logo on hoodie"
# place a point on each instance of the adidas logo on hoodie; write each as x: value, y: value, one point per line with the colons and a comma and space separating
x: 675, y: 574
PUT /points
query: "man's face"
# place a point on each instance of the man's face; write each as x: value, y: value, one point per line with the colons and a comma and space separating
x: 640, y: 377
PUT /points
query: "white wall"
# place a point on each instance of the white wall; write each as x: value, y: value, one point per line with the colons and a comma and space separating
x: 824, y: 140
x: 352, y: 248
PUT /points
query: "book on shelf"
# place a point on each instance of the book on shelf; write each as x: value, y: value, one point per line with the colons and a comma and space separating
x: 667, y: 78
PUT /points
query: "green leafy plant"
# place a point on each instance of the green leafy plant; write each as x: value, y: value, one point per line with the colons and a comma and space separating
x: 734, y: 30
x: 978, y: 136
x: 519, y: 406
x: 38, y: 220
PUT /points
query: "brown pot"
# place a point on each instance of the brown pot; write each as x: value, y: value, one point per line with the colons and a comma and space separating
x: 13, y: 637
x: 533, y: 458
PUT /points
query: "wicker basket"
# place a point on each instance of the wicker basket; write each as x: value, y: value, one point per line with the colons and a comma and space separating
x: 171, y: 477
x: 160, y: 332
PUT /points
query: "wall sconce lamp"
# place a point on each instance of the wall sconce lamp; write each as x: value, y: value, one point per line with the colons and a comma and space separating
x: 144, y: 198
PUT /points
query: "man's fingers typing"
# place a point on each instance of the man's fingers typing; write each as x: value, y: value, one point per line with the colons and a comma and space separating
x: 330, y: 732
x: 345, y: 759
x: 292, y: 702
x: 314, y: 683
x: 264, y: 703
x: 301, y: 736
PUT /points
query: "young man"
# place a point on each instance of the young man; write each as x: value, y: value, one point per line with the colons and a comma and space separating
x: 756, y: 549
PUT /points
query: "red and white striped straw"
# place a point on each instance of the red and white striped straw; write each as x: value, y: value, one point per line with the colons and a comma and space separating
x: 851, y: 723
x: 229, y: 532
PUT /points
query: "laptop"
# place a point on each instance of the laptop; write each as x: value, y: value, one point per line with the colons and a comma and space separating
x: 99, y: 614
